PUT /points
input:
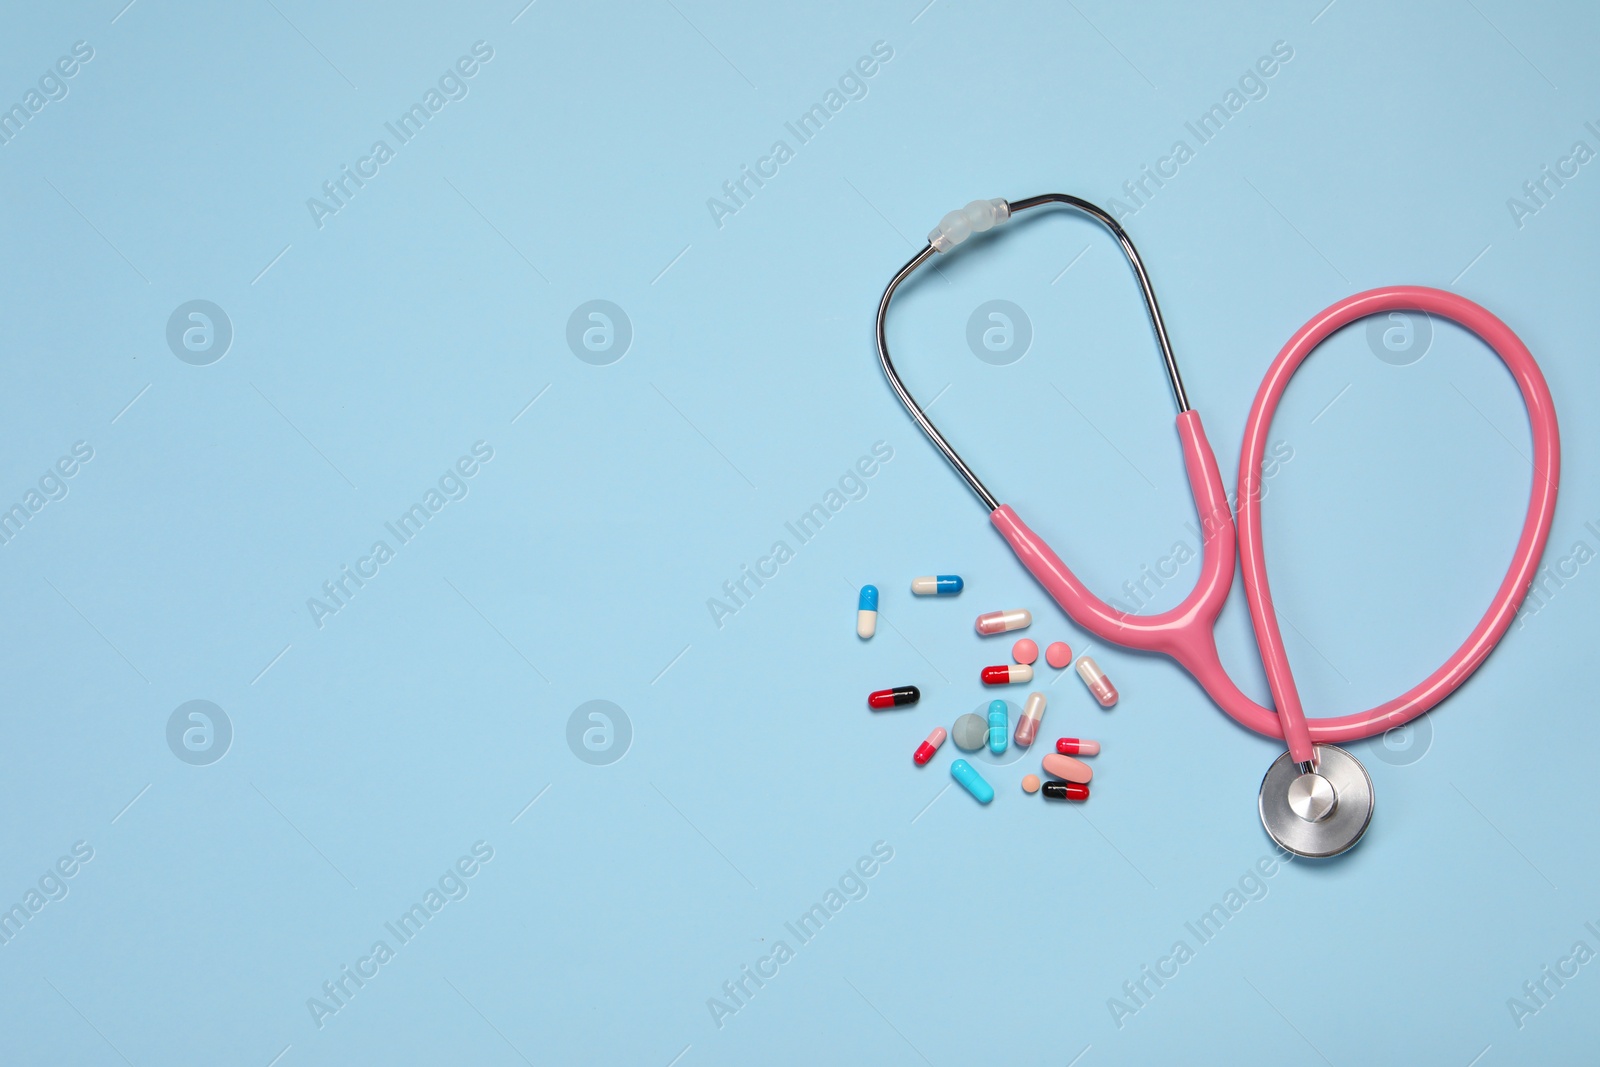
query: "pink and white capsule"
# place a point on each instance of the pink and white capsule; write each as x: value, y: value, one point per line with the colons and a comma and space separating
x: 1028, y: 725
x: 1007, y: 675
x: 1068, y: 768
x: 1096, y: 680
x: 998, y: 622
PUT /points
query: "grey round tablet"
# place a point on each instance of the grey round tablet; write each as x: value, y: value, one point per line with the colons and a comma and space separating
x: 970, y: 732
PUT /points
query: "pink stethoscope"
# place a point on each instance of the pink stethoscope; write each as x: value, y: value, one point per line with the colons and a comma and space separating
x: 1316, y: 799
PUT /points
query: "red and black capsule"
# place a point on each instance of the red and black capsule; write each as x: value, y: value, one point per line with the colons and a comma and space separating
x: 899, y: 697
x: 1064, y: 791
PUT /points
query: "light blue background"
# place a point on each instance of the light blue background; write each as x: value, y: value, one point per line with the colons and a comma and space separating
x: 370, y: 353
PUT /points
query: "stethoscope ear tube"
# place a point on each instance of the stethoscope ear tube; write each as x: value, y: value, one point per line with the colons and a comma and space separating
x: 941, y: 241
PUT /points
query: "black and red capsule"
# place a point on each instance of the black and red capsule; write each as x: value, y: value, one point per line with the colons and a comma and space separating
x: 899, y: 697
x: 1065, y: 791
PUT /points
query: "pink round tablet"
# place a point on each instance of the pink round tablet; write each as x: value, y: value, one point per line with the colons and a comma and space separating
x: 1030, y: 783
x: 1025, y: 651
x: 1066, y: 767
x: 1058, y: 655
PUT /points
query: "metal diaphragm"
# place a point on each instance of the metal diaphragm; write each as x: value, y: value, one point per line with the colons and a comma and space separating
x: 1296, y: 809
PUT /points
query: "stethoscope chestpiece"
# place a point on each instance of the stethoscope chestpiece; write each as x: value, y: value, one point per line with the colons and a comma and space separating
x: 1316, y: 813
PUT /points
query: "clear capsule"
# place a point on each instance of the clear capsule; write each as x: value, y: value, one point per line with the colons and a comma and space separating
x: 1095, y: 678
x: 998, y: 622
x: 1028, y: 725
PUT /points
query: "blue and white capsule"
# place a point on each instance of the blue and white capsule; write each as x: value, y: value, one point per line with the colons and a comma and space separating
x: 998, y: 726
x: 972, y: 781
x: 937, y: 585
x: 867, y: 612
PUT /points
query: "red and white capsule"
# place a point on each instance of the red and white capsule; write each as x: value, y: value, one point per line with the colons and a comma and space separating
x: 1077, y: 746
x: 1095, y: 678
x: 998, y: 622
x: 926, y: 750
x: 1012, y: 674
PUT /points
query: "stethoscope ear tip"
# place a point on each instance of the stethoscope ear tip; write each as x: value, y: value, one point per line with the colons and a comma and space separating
x: 1317, y: 813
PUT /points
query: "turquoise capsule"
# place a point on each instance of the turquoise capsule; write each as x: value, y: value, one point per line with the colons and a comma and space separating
x: 972, y: 781
x: 998, y: 726
x: 937, y: 585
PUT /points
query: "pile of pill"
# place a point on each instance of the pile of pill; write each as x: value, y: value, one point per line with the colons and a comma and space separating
x: 1067, y: 776
x: 1070, y: 777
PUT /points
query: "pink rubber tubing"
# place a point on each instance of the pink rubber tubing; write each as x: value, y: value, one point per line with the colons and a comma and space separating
x: 1185, y: 632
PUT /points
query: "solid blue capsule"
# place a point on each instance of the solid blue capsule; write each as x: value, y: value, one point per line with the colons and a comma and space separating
x: 972, y: 781
x: 998, y: 726
x: 867, y: 612
x: 937, y: 585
